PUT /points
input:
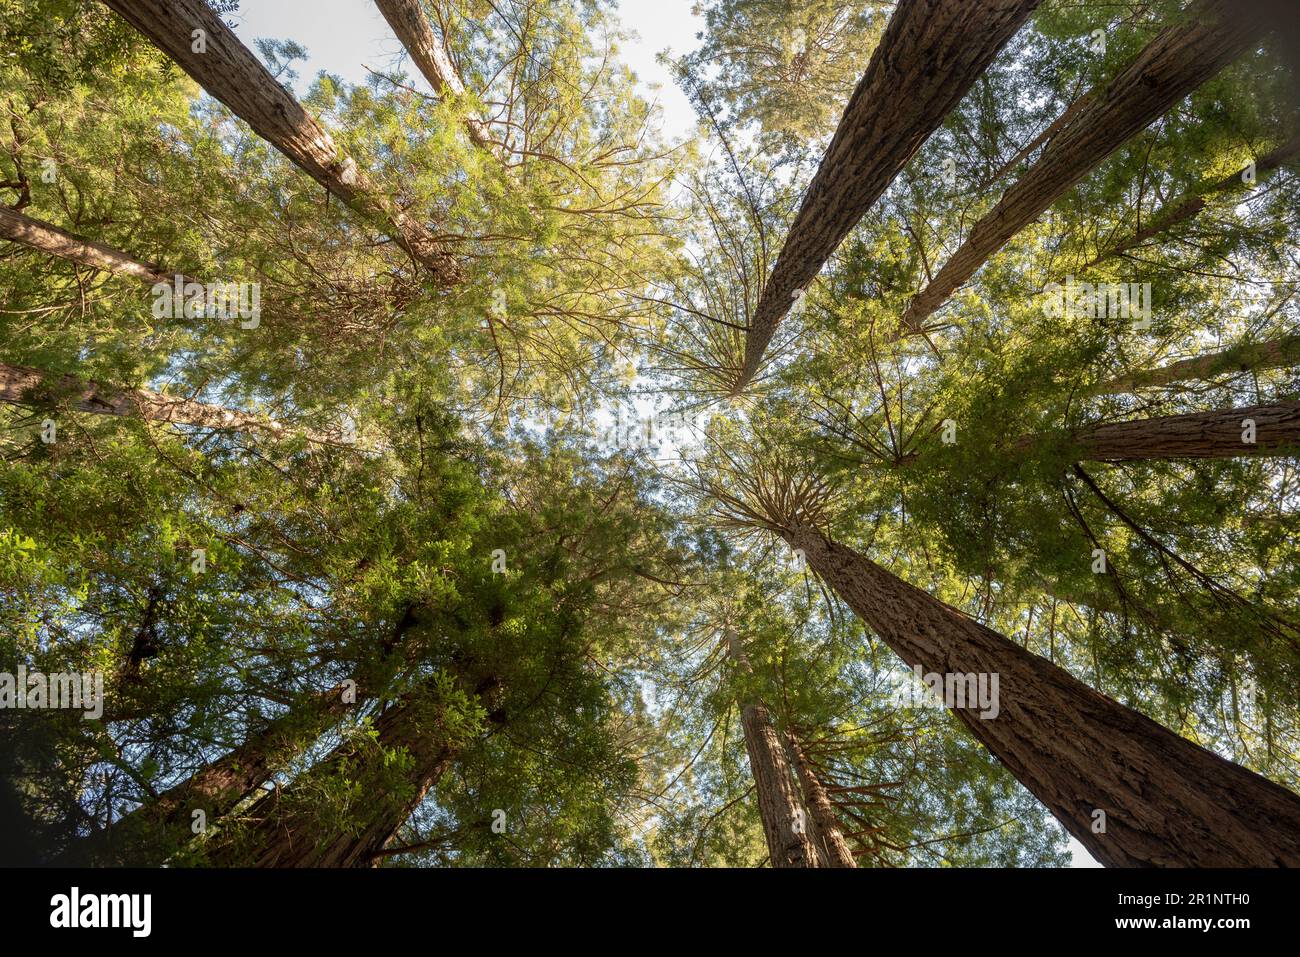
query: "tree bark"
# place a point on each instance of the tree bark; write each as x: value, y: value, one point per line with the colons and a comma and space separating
x: 412, y: 27
x: 1246, y: 357
x: 52, y: 240
x: 230, y: 72
x: 1170, y: 216
x: 835, y: 849
x: 785, y: 826
x: 1195, y: 435
x: 1178, y: 60
x: 931, y: 53
x: 23, y: 385
x: 1167, y: 802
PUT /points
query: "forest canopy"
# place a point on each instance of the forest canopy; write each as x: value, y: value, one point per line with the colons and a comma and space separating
x: 456, y: 469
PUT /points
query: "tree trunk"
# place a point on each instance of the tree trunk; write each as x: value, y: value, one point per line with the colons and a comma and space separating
x: 230, y: 72
x: 835, y: 849
x: 52, y: 240
x: 785, y: 826
x: 149, y: 834
x: 1247, y: 357
x: 286, y: 834
x: 23, y: 385
x: 1196, y: 435
x: 412, y: 27
x: 1177, y: 61
x: 931, y: 53
x: 1166, y: 801
x: 1171, y: 215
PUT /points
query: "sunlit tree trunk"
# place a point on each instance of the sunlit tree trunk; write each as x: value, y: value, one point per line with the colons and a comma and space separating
x: 1178, y: 60
x: 53, y: 241
x: 931, y: 53
x: 23, y: 385
x: 194, y: 36
x: 412, y: 27
x: 1247, y: 357
x: 1132, y: 792
x: 1229, y: 433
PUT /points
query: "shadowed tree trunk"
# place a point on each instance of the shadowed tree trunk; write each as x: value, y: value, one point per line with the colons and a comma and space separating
x: 412, y: 27
x: 1229, y: 433
x: 1247, y: 357
x: 1165, y: 801
x: 230, y: 72
x: 1178, y: 60
x: 1172, y: 214
x: 931, y: 53
x: 23, y: 385
x: 286, y: 828
x: 835, y: 850
x: 151, y: 832
x: 52, y: 240
x: 789, y: 843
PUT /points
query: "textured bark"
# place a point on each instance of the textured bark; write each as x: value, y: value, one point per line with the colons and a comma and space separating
x: 230, y: 72
x: 52, y: 240
x: 1167, y: 802
x: 147, y: 835
x: 285, y: 834
x: 1179, y: 212
x: 789, y: 843
x: 412, y: 27
x: 23, y: 385
x: 1247, y: 357
x: 1195, y: 435
x: 1178, y: 60
x: 931, y: 53
x: 835, y: 850
x: 785, y: 825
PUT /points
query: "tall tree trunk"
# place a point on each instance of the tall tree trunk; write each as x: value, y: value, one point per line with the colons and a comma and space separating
x: 931, y: 53
x: 230, y: 72
x: 52, y: 240
x: 150, y: 833
x: 1165, y: 801
x: 1228, y: 433
x: 1172, y: 214
x: 412, y: 27
x: 827, y: 825
x: 1178, y: 60
x: 785, y: 826
x: 286, y: 830
x: 1246, y: 357
x: 23, y: 385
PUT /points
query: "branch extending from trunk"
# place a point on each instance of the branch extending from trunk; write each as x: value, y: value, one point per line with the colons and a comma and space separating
x: 1178, y: 60
x: 1257, y: 430
x: 23, y: 385
x: 1247, y: 357
x: 52, y: 240
x: 931, y: 53
x: 412, y: 27
x: 835, y: 848
x: 1165, y: 802
x: 196, y: 38
x: 1170, y: 216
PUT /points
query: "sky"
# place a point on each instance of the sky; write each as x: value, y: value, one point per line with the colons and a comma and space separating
x: 343, y: 37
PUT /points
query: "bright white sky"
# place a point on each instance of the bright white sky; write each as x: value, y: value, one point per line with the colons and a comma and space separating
x: 343, y: 37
